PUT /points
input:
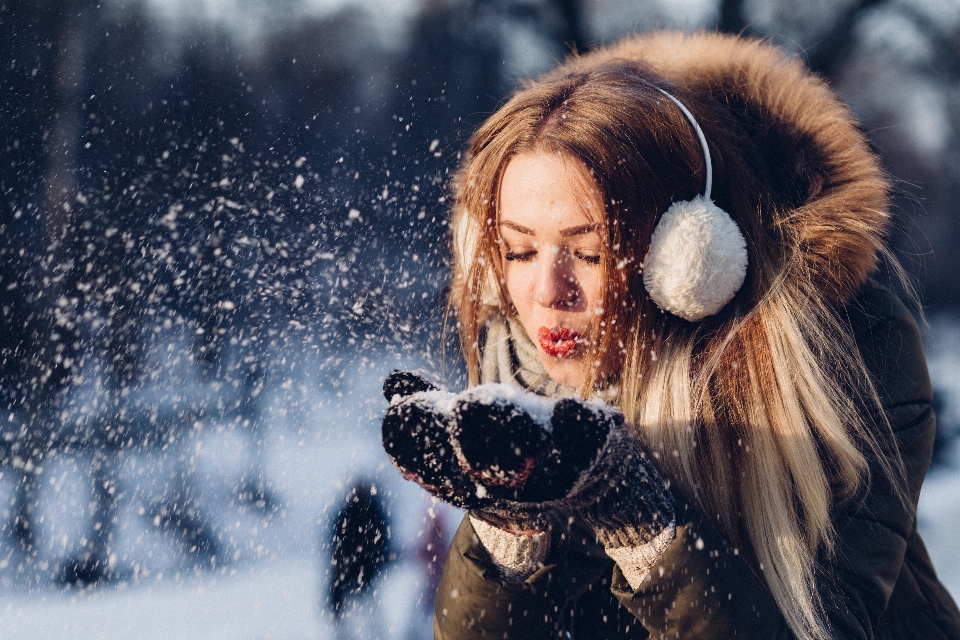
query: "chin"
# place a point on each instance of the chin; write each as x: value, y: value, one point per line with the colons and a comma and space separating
x: 567, y: 371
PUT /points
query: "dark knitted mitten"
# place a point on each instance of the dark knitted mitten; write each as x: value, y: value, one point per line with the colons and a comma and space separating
x: 416, y: 436
x: 501, y: 438
x: 622, y: 496
x: 420, y: 435
x: 405, y: 383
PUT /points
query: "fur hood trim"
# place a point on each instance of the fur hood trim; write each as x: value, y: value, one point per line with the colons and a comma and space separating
x: 805, y: 134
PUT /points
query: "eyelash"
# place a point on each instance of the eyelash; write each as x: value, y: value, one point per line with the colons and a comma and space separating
x: 528, y: 255
x: 519, y: 257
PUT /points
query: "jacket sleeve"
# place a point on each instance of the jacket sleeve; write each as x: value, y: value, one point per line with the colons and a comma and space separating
x: 571, y: 594
x: 702, y: 588
x: 874, y: 529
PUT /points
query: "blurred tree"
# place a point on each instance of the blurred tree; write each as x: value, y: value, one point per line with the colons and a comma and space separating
x: 898, y: 63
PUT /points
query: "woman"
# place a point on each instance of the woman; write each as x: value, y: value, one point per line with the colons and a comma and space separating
x: 682, y: 227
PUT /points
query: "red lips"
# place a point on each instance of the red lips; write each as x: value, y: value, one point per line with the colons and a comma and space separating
x: 558, y: 342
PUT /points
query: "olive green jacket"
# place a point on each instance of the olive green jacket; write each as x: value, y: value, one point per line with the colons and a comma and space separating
x: 879, y: 584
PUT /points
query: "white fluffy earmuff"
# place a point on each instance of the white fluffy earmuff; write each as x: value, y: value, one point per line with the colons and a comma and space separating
x: 697, y: 259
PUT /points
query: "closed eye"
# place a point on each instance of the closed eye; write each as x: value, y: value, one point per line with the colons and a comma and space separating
x: 524, y: 256
x: 588, y: 258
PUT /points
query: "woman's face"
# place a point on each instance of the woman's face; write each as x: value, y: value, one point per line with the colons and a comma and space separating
x: 551, y: 225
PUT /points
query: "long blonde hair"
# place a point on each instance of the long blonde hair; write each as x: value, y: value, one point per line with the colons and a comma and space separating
x: 762, y: 414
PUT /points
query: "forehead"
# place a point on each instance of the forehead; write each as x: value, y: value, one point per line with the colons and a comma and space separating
x: 548, y: 188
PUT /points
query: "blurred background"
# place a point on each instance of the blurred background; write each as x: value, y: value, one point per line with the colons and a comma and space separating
x: 222, y: 222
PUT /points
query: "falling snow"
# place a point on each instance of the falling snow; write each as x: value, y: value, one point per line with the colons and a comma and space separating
x: 218, y: 237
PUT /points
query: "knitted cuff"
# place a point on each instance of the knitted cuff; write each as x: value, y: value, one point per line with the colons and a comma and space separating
x: 628, y: 504
x: 635, y: 562
x: 614, y: 534
x: 517, y: 557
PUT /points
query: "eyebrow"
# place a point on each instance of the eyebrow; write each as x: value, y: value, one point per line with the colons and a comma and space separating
x: 579, y: 231
x: 566, y: 233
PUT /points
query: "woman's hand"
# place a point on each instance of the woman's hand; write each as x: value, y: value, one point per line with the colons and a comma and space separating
x: 510, y: 456
x: 416, y: 436
x: 422, y: 432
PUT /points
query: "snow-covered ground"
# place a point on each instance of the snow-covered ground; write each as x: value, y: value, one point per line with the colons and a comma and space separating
x: 279, y: 598
x: 276, y: 600
x: 271, y: 570
x: 277, y: 591
x: 271, y: 582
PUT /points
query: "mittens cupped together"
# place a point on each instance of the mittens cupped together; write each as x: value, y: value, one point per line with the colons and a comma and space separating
x: 511, y: 456
x: 488, y: 444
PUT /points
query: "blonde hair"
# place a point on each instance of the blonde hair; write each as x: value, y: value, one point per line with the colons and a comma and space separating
x: 760, y: 415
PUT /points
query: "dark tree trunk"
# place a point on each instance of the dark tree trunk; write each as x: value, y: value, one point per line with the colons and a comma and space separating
x: 732, y: 18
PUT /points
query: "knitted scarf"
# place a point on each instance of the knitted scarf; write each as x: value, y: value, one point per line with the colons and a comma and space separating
x: 507, y: 355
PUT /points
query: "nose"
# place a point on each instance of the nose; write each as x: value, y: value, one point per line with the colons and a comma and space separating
x: 556, y: 285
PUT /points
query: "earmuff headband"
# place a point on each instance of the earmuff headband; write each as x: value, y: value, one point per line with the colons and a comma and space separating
x: 708, y: 188
x: 697, y: 260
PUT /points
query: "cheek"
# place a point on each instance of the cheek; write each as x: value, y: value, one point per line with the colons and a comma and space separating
x: 592, y: 285
x: 517, y: 280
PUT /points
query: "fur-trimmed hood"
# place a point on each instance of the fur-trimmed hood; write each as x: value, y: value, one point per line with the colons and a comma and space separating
x: 807, y: 137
